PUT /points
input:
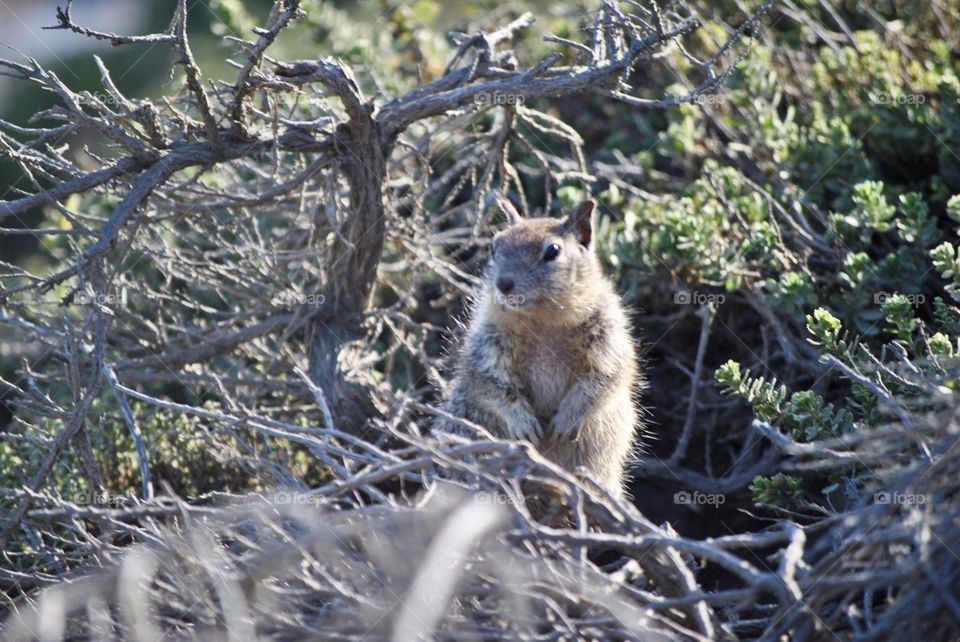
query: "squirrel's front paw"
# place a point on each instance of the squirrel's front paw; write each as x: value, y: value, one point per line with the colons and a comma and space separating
x: 527, y: 427
x: 562, y: 426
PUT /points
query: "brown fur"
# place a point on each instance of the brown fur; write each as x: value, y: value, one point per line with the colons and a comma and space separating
x: 552, y: 361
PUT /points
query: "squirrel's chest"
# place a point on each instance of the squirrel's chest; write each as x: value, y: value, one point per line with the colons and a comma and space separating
x: 547, y: 370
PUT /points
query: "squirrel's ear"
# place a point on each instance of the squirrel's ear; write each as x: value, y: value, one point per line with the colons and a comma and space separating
x: 580, y: 222
x: 513, y: 216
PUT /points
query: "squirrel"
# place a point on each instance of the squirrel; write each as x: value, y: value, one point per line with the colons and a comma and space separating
x: 548, y: 355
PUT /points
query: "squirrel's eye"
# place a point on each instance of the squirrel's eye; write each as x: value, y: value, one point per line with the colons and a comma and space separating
x: 551, y: 252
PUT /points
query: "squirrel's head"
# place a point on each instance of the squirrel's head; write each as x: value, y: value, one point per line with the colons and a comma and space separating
x: 543, y: 266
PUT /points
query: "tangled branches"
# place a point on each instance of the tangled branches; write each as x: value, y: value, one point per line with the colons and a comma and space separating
x: 282, y: 214
x: 250, y: 255
x: 463, y: 559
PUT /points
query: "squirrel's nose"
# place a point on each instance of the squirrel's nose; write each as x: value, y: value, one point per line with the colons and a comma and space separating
x: 505, y: 285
